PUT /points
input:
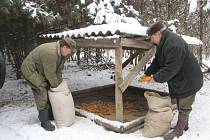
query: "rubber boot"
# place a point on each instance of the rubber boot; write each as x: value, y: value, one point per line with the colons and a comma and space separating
x: 178, y: 130
x: 44, y: 119
x: 186, y: 126
x: 50, y: 113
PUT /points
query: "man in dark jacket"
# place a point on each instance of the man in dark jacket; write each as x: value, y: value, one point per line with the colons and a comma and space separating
x: 175, y: 64
x: 42, y: 69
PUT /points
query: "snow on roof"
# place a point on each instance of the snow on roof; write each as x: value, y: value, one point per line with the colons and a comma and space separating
x: 103, y: 30
x: 192, y: 40
x: 113, y: 29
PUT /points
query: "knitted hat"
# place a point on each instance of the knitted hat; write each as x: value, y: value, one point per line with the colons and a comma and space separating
x: 69, y: 42
x: 158, y: 26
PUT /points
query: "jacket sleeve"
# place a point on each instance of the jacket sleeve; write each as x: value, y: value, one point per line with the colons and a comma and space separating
x: 59, y: 71
x: 174, y: 58
x: 153, y: 68
x: 50, y: 68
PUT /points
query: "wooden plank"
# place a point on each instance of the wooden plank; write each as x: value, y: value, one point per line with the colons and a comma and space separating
x: 134, y: 129
x: 139, y: 43
x: 99, y: 43
x: 131, y: 127
x: 123, y: 85
x: 130, y: 58
x: 118, y: 92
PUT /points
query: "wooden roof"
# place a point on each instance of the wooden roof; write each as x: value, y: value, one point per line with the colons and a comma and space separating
x: 126, y: 43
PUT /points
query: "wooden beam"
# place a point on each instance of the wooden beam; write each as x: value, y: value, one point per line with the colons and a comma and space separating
x: 118, y: 92
x: 139, y: 43
x: 130, y: 58
x: 123, y: 85
x: 99, y: 43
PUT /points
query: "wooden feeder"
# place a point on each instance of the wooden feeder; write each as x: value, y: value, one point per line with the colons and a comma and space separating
x: 119, y: 96
x: 121, y: 86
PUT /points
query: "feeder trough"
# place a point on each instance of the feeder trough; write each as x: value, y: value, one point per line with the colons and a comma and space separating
x: 98, y: 104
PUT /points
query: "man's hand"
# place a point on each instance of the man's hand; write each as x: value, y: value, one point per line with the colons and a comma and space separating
x: 145, y: 78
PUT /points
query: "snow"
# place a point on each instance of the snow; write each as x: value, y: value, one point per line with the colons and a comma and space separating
x: 103, y: 12
x: 18, y: 112
x: 32, y: 7
x: 115, y: 124
x: 192, y: 40
x: 193, y: 5
x: 19, y: 120
x: 206, y: 62
x: 131, y: 28
x: 82, y: 1
x: 207, y: 6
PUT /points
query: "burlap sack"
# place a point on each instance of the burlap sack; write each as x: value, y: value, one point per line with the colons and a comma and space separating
x: 62, y: 105
x: 158, y: 118
x: 157, y: 102
x: 63, y: 87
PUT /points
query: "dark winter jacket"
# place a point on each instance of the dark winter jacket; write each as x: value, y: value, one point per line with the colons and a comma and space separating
x: 175, y: 64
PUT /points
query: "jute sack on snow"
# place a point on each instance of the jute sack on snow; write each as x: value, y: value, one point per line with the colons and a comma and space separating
x: 62, y: 105
x: 158, y: 119
x: 156, y: 102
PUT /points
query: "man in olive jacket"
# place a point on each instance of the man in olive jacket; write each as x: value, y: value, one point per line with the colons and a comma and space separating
x: 175, y: 64
x: 42, y: 69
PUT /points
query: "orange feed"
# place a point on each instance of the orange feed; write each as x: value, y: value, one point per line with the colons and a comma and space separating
x: 106, y: 107
x: 145, y: 79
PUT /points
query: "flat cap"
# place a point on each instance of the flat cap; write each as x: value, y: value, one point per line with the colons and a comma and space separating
x: 70, y: 42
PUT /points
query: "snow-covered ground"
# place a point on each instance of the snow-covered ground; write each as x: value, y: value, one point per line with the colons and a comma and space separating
x: 18, y: 114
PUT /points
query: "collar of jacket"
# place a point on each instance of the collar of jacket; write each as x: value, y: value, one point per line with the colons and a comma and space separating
x: 165, y: 34
x: 58, y: 48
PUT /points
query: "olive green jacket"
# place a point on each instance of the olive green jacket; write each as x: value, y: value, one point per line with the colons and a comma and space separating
x: 44, y: 65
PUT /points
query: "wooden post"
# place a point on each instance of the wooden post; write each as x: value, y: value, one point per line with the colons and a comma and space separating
x: 118, y: 92
x: 134, y: 72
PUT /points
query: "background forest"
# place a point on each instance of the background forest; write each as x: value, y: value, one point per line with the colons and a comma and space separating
x: 22, y: 22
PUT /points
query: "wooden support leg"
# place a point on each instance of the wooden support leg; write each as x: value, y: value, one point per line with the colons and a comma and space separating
x: 118, y: 92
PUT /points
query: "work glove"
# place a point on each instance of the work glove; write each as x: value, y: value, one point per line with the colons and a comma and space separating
x: 146, y: 78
